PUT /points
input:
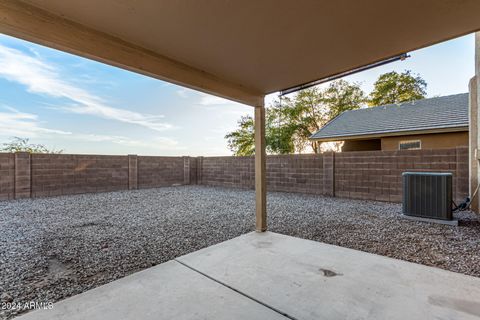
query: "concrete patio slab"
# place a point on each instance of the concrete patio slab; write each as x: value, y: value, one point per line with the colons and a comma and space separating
x: 312, y: 280
x: 272, y: 276
x: 167, y: 291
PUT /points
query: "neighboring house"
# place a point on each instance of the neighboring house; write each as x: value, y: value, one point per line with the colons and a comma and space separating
x: 423, y: 124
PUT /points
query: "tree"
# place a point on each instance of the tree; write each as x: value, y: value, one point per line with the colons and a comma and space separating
x: 279, y: 132
x: 341, y: 96
x: 308, y: 113
x: 242, y: 140
x: 394, y: 87
x: 22, y: 145
x: 291, y: 122
x: 278, y: 139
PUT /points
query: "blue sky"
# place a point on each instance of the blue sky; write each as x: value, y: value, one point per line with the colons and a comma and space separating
x: 81, y: 106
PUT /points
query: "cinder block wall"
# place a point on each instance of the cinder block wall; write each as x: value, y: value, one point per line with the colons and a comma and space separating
x: 7, y: 176
x: 295, y: 173
x: 156, y: 172
x: 461, y: 175
x: 289, y: 173
x: 54, y: 175
x: 377, y: 175
x: 371, y: 175
x: 227, y: 172
x: 24, y: 175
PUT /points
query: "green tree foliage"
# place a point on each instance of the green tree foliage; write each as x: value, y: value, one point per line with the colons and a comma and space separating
x: 341, y: 96
x: 394, y: 87
x: 278, y: 138
x: 22, y: 145
x: 242, y: 141
x: 290, y: 122
x: 279, y: 132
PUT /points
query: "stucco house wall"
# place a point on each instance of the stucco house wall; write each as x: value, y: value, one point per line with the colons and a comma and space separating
x: 428, y: 141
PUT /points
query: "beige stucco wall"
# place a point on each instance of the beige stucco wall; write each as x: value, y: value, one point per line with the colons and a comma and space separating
x: 473, y: 120
x: 475, y: 133
x: 429, y: 141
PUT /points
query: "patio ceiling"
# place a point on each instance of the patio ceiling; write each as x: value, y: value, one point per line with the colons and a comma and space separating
x: 239, y: 50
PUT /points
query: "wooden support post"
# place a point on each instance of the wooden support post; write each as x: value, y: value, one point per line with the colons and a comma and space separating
x: 260, y: 168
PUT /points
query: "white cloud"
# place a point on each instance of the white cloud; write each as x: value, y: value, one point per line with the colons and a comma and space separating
x: 209, y: 100
x: 203, y: 99
x: 222, y: 106
x: 42, y: 78
x: 15, y: 123
x: 27, y: 125
x: 182, y: 93
x: 159, y: 143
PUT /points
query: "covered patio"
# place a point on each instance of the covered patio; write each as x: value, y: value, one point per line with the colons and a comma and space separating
x: 234, y: 50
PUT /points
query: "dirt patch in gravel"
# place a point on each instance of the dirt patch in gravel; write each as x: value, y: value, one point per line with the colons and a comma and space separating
x: 54, y: 248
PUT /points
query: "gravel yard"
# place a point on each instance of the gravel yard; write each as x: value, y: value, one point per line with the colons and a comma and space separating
x: 53, y: 248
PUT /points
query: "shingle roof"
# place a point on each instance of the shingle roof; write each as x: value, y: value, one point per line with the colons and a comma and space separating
x: 426, y: 114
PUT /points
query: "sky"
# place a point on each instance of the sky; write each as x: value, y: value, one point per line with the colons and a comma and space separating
x: 81, y: 106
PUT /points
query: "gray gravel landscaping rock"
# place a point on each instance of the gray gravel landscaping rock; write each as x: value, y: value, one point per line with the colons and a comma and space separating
x: 53, y: 248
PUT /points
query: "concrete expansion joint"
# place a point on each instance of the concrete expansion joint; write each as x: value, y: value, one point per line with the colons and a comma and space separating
x: 286, y: 315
